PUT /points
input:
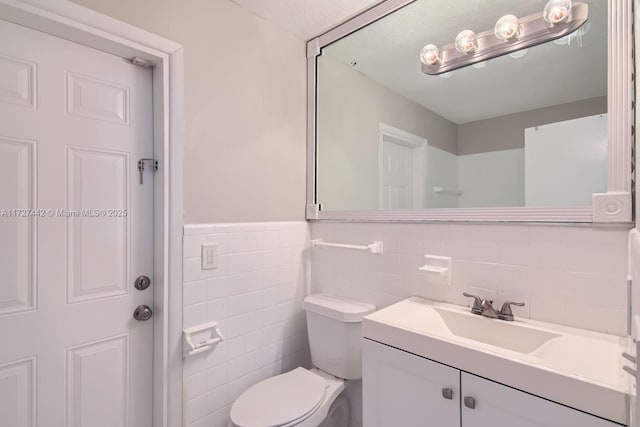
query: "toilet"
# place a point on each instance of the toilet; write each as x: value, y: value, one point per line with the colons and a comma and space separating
x: 311, y: 397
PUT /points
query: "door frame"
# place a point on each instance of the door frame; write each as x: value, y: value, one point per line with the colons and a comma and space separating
x: 79, y: 24
x: 418, y: 146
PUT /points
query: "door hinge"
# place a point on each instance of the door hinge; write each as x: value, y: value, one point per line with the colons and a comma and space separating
x: 141, y: 166
x: 141, y: 62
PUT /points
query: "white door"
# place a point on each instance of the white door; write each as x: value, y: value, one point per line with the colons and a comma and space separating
x: 397, y: 176
x: 498, y: 405
x: 73, y: 123
x: 401, y: 389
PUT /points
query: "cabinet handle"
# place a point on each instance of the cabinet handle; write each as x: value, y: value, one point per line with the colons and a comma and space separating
x: 447, y: 393
x: 470, y: 402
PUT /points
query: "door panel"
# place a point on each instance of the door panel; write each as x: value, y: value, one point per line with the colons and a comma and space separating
x: 401, y: 389
x: 92, y: 398
x: 17, y: 81
x: 95, y: 99
x: 98, y: 179
x: 397, y: 176
x: 73, y: 123
x: 17, y: 167
x: 17, y: 393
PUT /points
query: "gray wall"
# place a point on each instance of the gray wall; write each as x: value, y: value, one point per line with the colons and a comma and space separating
x: 507, y: 132
x: 245, y: 103
x: 350, y: 109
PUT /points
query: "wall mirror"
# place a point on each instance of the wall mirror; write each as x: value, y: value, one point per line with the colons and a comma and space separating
x: 542, y: 133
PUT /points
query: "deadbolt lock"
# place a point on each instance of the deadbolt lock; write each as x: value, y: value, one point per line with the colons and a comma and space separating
x: 142, y: 283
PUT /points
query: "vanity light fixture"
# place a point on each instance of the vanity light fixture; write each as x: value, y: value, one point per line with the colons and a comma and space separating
x: 510, y: 35
x: 557, y: 11
x: 430, y: 55
x: 507, y: 28
x: 466, y: 42
x: 575, y: 36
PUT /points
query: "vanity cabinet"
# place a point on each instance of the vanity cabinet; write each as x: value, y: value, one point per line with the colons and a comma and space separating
x: 400, y: 388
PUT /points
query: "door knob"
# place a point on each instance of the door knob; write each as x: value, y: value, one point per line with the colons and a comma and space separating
x: 142, y: 283
x: 142, y: 313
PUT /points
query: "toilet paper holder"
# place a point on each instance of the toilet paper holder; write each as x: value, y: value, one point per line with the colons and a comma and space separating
x: 191, y: 348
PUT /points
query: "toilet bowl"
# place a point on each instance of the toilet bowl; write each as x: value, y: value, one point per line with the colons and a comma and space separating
x: 305, y: 397
x: 302, y: 398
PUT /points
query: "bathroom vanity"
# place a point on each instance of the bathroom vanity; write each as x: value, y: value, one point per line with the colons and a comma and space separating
x: 436, y: 363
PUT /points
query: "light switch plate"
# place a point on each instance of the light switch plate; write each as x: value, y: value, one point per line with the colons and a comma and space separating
x: 209, y: 256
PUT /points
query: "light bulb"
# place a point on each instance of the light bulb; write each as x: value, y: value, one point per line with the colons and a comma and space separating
x: 519, y: 53
x: 507, y: 28
x: 557, y: 11
x: 466, y: 42
x: 430, y: 55
x: 480, y: 65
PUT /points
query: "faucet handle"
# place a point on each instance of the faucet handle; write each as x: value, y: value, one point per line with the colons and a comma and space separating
x: 505, y: 311
x: 477, y: 303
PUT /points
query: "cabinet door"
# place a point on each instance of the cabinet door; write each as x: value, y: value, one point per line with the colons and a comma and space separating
x: 496, y: 404
x: 401, y: 389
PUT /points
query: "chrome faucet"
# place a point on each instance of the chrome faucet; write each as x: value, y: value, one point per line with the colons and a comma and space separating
x: 488, y: 310
x: 505, y: 311
x: 477, y: 303
x: 484, y: 307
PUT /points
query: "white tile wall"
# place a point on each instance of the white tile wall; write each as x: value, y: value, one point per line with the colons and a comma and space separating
x: 256, y: 294
x: 568, y: 275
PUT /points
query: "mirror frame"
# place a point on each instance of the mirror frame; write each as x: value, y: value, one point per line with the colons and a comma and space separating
x: 614, y: 206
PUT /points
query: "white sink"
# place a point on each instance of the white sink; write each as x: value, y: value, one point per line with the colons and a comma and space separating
x: 578, y: 368
x: 507, y: 335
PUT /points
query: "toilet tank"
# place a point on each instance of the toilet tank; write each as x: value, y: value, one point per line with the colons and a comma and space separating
x: 335, y: 334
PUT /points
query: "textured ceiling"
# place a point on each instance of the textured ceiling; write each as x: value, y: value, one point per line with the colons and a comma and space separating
x: 306, y: 18
x: 387, y: 51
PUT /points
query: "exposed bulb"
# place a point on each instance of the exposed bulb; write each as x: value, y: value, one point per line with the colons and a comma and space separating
x: 430, y: 55
x: 466, y: 42
x: 480, y: 65
x: 557, y: 11
x: 507, y: 28
x: 519, y: 53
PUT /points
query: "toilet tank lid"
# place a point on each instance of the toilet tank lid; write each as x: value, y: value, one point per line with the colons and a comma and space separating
x: 339, y: 308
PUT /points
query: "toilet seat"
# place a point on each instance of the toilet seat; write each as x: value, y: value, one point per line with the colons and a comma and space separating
x: 280, y: 401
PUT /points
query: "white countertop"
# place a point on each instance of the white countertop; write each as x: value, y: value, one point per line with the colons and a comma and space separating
x: 575, y: 367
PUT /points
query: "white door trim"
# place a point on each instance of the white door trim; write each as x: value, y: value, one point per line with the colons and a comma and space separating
x: 82, y: 25
x: 419, y: 146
